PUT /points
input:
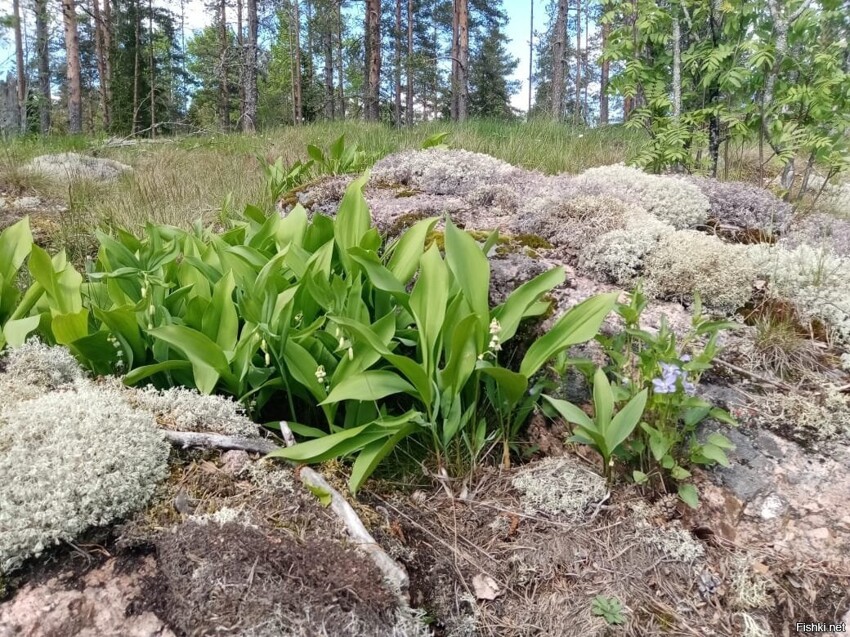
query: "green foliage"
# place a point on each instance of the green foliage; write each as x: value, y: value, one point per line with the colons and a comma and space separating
x: 654, y: 378
x: 15, y: 246
x: 608, y: 608
x: 339, y: 158
x: 607, y: 430
x: 281, y: 179
x: 313, y: 317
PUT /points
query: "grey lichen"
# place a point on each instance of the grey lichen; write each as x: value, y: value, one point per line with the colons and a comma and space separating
x: 745, y: 206
x: 672, y: 541
x: 187, y: 410
x: 559, y: 486
x: 69, y: 461
x: 34, y: 369
x: 688, y: 262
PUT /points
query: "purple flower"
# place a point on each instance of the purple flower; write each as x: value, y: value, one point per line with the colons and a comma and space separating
x: 663, y: 386
x: 670, y: 375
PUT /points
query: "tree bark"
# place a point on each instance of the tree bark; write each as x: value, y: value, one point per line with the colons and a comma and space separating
x: 136, y: 66
x: 20, y: 67
x: 107, y: 54
x: 677, y: 68
x: 558, y: 61
x: 460, y: 85
x: 296, y: 77
x: 576, y: 108
x: 530, y: 59
x: 409, y: 68
x: 72, y: 52
x: 603, y: 78
x: 340, y: 59
x: 100, y: 55
x: 397, y: 65
x: 151, y: 63
x: 330, y: 94
x: 372, y: 104
x: 45, y: 101
x: 240, y: 46
x: 249, y: 119
x: 223, y: 89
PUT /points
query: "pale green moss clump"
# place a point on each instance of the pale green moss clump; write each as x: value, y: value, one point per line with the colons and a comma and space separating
x: 559, y: 486
x: 619, y: 256
x: 34, y: 369
x: 688, y: 262
x: 187, y: 410
x: 69, y: 461
x: 672, y: 200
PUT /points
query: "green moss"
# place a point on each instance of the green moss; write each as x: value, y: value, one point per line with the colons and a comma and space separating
x: 406, y: 192
x: 436, y: 237
x: 532, y: 241
x: 403, y: 222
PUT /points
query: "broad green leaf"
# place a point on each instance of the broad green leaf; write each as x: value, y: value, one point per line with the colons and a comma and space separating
x: 428, y: 303
x: 512, y: 385
x: 372, y: 455
x: 379, y: 276
x: 221, y: 322
x: 715, y: 454
x: 462, y: 353
x: 207, y: 358
x: 470, y: 268
x: 15, y: 247
x: 624, y: 423
x: 353, y: 219
x: 68, y: 328
x: 578, y: 325
x: 688, y: 494
x: 719, y: 440
x: 407, y: 251
x: 15, y: 332
x: 570, y: 412
x: 371, y: 385
x: 517, y: 305
x: 331, y: 446
x: 302, y: 366
x: 603, y: 400
x: 141, y: 373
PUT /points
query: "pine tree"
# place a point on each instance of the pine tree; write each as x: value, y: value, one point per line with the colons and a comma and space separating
x: 490, y: 66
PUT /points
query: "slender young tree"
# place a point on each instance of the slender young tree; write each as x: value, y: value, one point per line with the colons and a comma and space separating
x: 397, y: 65
x: 72, y: 52
x: 604, y: 71
x: 297, y: 95
x: 20, y: 66
x: 460, y: 60
x: 340, y: 59
x: 249, y: 116
x: 576, y: 109
x: 152, y: 69
x: 223, y: 88
x: 408, y: 73
x: 43, y: 54
x: 101, y: 54
x: 559, y: 49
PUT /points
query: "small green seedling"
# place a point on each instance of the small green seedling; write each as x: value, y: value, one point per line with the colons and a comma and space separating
x: 609, y: 608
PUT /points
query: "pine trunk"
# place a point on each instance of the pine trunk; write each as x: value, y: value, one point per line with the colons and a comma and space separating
x: 240, y: 46
x: 223, y: 89
x: 340, y: 59
x: 558, y: 55
x: 72, y: 51
x: 603, y: 78
x: 330, y: 95
x: 136, y: 67
x: 100, y: 53
x: 463, y: 62
x: 151, y: 63
x: 373, y: 54
x: 20, y: 66
x: 296, y: 77
x: 576, y: 107
x: 107, y: 54
x: 408, y: 73
x: 249, y: 119
x: 45, y: 101
x: 397, y: 65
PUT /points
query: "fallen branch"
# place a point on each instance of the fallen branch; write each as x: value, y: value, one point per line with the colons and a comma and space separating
x: 187, y: 439
x: 393, y: 573
x: 754, y: 377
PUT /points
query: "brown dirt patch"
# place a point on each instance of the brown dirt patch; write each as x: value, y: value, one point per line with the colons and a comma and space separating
x: 236, y: 579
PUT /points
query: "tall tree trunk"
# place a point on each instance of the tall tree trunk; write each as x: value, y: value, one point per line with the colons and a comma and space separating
x: 455, y: 55
x: 223, y: 88
x: 530, y: 59
x: 45, y: 101
x: 240, y: 45
x: 310, y: 51
x: 72, y: 52
x: 330, y: 92
x: 397, y: 65
x: 372, y: 105
x: 460, y: 60
x: 20, y: 67
x: 576, y: 108
x: 107, y: 55
x: 151, y: 63
x: 100, y: 52
x: 408, y: 74
x: 296, y: 78
x: 603, y: 77
x: 136, y: 66
x: 629, y: 101
x: 559, y: 39
x: 586, y: 63
x: 340, y: 59
x: 249, y: 118
x: 677, y: 68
